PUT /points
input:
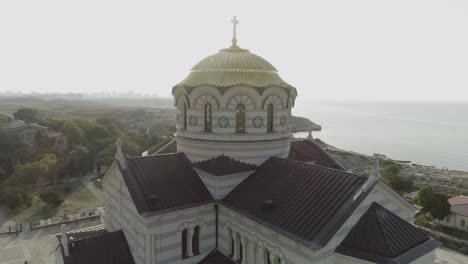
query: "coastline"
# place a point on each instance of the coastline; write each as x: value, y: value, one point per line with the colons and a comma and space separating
x: 452, y: 182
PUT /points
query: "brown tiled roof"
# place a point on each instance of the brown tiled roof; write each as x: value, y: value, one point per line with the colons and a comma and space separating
x: 308, y: 151
x: 216, y: 257
x: 459, y: 205
x: 163, y: 182
x: 223, y: 165
x: 109, y: 247
x: 381, y: 236
x: 458, y: 200
x: 305, y: 202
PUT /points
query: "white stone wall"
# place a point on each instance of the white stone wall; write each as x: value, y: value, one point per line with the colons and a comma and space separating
x: 168, y: 233
x: 293, y: 252
x: 196, y: 118
x: 220, y: 186
x: 455, y: 221
x: 255, y: 143
x: 155, y: 239
x: 158, y: 238
x: 122, y: 214
x: 255, y: 152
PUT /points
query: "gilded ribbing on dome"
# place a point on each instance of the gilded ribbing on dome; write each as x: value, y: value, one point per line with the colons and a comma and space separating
x: 233, y: 66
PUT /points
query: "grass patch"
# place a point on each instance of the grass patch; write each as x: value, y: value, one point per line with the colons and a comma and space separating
x: 77, y: 198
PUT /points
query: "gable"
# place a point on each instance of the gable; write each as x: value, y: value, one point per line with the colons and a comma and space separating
x: 163, y: 182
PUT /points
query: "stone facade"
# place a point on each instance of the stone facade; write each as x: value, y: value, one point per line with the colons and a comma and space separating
x: 158, y: 238
x: 259, y: 141
x: 235, y: 104
x: 219, y: 186
x: 155, y: 239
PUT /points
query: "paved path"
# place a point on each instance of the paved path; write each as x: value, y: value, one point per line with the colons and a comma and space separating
x: 95, y: 191
x: 448, y: 256
x: 434, y: 232
x: 36, y: 246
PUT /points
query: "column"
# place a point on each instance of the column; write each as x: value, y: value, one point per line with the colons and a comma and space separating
x: 236, y: 246
x: 244, y: 249
x: 260, y: 254
x: 148, y: 248
x: 251, y: 252
x: 273, y: 258
x: 189, y: 242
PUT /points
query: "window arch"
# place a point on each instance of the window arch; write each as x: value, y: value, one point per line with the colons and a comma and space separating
x: 270, y: 117
x: 208, y: 117
x: 240, y: 118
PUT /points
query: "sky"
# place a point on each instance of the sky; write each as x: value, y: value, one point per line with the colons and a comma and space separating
x: 329, y: 50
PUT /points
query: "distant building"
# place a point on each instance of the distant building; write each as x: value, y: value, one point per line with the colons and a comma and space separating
x: 458, y: 217
x: 30, y: 134
x: 238, y: 188
x: 59, y: 142
x: 33, y: 135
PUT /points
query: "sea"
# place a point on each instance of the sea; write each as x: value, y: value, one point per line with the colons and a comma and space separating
x: 434, y: 133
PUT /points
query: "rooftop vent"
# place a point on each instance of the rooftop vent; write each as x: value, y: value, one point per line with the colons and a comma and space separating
x: 269, y: 203
x: 152, y: 199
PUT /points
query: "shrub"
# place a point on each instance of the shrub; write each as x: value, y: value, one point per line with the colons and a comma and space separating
x: 12, y: 197
x: 51, y: 198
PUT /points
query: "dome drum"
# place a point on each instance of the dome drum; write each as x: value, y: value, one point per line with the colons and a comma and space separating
x: 234, y: 103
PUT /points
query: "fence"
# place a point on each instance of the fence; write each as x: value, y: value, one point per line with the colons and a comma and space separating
x: 63, y: 219
x: 15, y: 229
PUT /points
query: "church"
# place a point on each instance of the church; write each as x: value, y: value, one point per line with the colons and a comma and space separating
x: 235, y: 186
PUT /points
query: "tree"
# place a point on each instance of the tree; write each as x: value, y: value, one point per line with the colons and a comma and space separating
x: 399, y: 183
x: 391, y: 170
x: 74, y: 133
x: 32, y: 172
x: 54, y: 124
x: 425, y: 197
x: 12, y: 197
x: 50, y: 160
x: 435, y: 203
x: 28, y: 115
x: 440, y: 207
x: 51, y: 198
x: 83, y: 159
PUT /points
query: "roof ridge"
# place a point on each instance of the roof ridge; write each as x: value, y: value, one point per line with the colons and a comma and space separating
x: 224, y: 156
x: 317, y: 166
x: 374, y: 207
x: 153, y: 156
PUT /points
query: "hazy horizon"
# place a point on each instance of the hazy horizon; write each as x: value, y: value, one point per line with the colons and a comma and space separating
x: 329, y: 50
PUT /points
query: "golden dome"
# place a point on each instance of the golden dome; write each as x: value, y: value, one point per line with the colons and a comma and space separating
x: 234, y: 66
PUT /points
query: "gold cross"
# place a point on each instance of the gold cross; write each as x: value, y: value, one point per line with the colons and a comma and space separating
x: 234, y: 22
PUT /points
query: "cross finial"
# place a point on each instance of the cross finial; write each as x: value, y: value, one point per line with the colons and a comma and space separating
x: 234, y: 22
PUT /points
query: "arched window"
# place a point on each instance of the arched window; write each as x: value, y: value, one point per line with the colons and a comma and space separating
x: 185, y: 115
x: 208, y: 117
x: 240, y: 118
x: 270, y: 118
x: 196, y: 241
x: 184, y: 244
